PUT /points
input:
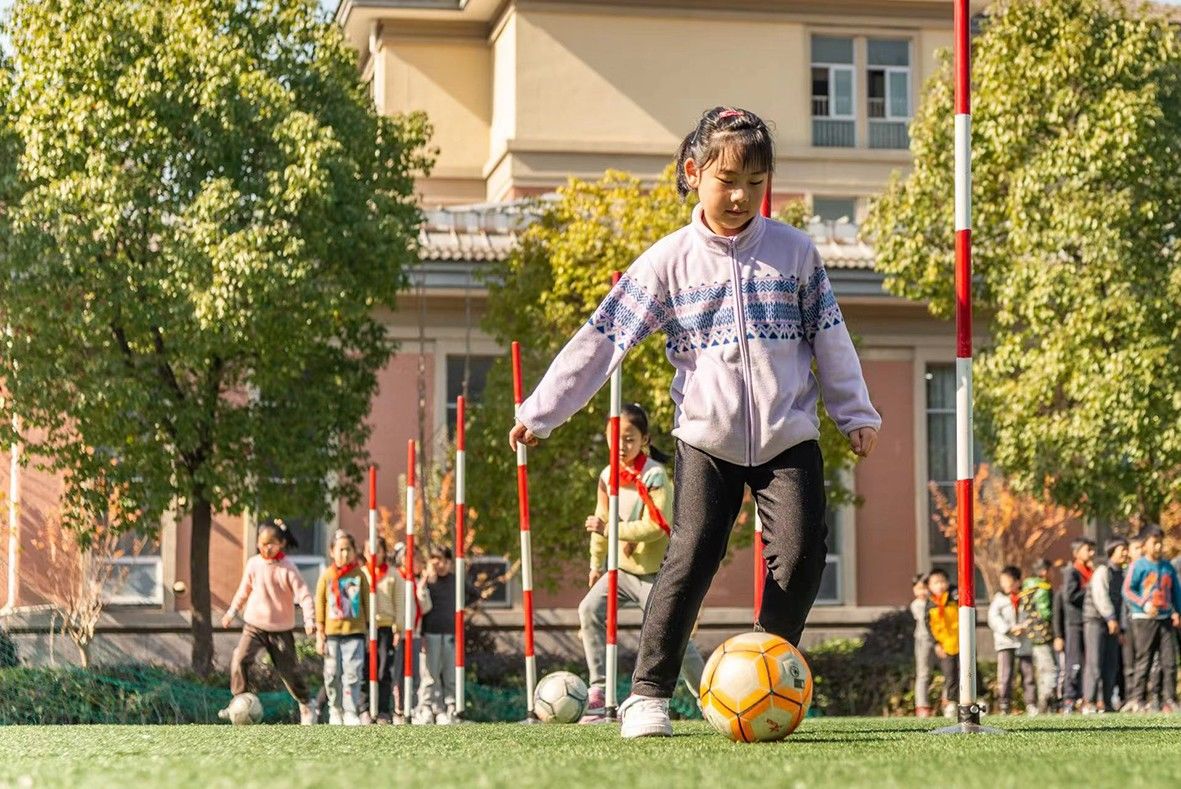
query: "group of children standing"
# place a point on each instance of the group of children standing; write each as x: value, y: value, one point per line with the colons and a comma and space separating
x: 1108, y: 632
x: 338, y: 616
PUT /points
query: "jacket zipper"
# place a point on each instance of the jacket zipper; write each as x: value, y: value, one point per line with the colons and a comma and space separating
x: 744, y: 350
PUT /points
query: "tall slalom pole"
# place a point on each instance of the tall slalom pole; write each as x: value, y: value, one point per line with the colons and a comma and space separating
x: 760, y: 569
x: 373, y: 592
x: 460, y: 561
x: 408, y: 592
x: 969, y: 710
x: 526, y: 545
x: 612, y: 702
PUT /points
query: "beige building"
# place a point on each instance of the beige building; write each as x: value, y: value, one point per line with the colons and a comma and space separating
x: 524, y: 94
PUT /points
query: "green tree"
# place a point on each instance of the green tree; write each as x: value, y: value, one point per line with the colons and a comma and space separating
x: 1076, y: 196
x: 546, y: 289
x: 210, y: 213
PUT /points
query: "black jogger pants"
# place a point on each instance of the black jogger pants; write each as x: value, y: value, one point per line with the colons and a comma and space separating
x: 789, y: 493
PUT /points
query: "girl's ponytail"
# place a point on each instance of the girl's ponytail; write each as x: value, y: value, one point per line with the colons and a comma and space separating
x: 659, y: 455
x: 683, y: 188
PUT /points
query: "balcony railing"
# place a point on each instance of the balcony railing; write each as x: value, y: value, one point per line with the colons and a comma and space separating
x: 833, y: 134
x: 889, y: 134
x: 877, y: 107
x: 820, y: 106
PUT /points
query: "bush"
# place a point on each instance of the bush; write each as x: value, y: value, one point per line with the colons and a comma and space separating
x: 873, y: 675
x: 8, y: 654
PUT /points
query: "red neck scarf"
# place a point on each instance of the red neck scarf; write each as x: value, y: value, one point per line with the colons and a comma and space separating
x: 941, y: 601
x: 631, y: 475
x: 380, y: 572
x: 1015, y: 598
x: 280, y: 556
x: 337, y: 574
x: 1084, y: 571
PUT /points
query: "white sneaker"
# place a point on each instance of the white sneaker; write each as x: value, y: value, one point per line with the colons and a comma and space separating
x: 307, y: 714
x: 365, y: 719
x: 443, y: 718
x: 335, y: 717
x: 351, y: 719
x: 644, y: 717
x: 423, y: 715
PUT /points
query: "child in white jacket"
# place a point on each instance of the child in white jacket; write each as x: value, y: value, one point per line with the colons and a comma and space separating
x: 1008, y: 637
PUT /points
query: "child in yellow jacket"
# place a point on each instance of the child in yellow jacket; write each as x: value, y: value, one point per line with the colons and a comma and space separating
x: 342, y: 616
x: 943, y: 621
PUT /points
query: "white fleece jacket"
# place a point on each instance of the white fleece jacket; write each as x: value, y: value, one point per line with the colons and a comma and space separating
x: 744, y: 318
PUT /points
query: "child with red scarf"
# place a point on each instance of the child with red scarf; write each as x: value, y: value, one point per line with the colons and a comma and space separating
x: 342, y: 616
x: 1010, y: 641
x: 645, y: 512
x: 1075, y: 578
x: 271, y: 586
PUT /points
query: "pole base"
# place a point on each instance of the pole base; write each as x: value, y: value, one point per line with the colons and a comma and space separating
x: 969, y: 717
x: 967, y: 728
x: 531, y: 719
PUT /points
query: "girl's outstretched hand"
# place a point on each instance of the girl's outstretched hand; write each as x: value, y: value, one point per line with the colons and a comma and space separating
x: 863, y: 440
x: 522, y: 435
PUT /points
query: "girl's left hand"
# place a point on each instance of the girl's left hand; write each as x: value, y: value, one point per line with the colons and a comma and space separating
x: 863, y: 440
x: 596, y: 524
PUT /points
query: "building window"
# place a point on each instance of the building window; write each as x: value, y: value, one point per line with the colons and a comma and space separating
x: 832, y: 583
x: 835, y: 209
x: 833, y: 113
x: 941, y: 470
x: 487, y: 571
x: 477, y: 374
x: 137, y: 572
x: 888, y: 85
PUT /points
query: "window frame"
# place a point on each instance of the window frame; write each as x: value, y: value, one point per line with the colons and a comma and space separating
x: 124, y: 598
x: 832, y: 68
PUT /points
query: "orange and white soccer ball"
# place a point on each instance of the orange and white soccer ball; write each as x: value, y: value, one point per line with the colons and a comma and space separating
x: 756, y: 687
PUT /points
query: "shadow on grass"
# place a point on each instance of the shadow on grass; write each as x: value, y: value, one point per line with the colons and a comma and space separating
x: 1097, y: 729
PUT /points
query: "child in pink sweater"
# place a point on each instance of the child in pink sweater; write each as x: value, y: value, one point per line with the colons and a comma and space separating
x: 270, y: 588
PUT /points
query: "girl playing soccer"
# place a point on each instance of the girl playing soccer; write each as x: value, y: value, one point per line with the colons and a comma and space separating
x: 645, y: 510
x: 746, y: 308
x: 271, y: 586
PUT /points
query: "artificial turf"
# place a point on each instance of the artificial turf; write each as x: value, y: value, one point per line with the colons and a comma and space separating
x: 1041, y: 752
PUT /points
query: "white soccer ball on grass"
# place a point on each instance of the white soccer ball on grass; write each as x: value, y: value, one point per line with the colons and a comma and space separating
x: 560, y: 697
x: 244, y: 710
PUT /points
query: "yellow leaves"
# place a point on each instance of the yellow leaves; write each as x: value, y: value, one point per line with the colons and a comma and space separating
x: 1010, y: 527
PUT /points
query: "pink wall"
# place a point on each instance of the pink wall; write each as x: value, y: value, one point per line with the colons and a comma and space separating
x: 886, y: 551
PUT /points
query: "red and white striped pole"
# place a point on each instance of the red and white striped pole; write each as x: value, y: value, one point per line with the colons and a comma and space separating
x: 373, y: 592
x: 612, y: 702
x: 760, y: 571
x: 969, y: 710
x: 408, y: 597
x: 526, y: 547
x: 460, y: 562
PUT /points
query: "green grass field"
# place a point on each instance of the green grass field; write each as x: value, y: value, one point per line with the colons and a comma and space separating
x: 1042, y: 752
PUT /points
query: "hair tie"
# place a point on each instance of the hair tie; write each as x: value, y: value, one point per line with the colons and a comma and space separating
x: 730, y: 114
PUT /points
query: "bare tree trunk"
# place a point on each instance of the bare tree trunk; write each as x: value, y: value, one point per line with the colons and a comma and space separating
x: 202, y: 519
x: 83, y: 653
